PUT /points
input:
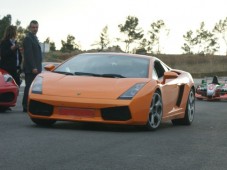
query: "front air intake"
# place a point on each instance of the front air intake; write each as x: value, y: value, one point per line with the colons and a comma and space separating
x: 116, y: 113
x: 39, y: 108
x: 7, y: 97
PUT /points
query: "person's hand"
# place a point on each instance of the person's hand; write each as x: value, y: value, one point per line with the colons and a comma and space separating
x: 34, y: 71
x: 14, y: 47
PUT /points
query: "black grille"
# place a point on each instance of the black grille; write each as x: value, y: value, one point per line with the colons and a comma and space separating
x: 116, y: 113
x: 7, y: 97
x: 39, y: 108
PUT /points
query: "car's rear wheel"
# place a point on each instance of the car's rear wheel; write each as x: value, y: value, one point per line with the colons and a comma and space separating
x: 155, y: 112
x: 189, y: 112
x: 43, y: 122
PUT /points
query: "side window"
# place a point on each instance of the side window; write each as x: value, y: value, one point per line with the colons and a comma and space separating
x: 154, y: 75
x: 166, y: 68
x: 159, y: 69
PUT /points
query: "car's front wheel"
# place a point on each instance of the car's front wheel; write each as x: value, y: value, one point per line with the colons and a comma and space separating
x: 155, y: 112
x: 189, y: 112
x: 43, y: 122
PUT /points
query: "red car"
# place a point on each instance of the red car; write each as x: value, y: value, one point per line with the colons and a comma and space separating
x: 8, y: 90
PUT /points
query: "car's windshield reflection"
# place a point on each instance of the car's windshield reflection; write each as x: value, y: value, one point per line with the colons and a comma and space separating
x: 106, y: 66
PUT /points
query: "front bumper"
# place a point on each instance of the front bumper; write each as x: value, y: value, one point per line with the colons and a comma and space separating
x: 134, y: 112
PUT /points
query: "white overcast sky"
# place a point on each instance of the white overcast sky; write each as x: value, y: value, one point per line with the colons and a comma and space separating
x: 85, y: 19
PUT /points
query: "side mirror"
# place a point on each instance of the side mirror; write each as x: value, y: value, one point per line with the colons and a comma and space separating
x: 169, y: 75
x: 49, y: 67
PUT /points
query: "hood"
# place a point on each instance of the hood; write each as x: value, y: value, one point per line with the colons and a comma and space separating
x: 87, y: 86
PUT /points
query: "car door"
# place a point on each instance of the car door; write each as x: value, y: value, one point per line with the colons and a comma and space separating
x: 170, y: 89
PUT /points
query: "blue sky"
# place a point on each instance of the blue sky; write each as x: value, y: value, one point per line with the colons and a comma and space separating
x: 85, y: 19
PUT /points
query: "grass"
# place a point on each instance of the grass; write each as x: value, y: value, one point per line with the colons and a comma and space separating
x: 198, y: 65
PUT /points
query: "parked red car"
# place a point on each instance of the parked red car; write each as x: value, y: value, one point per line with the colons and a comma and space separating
x: 8, y: 90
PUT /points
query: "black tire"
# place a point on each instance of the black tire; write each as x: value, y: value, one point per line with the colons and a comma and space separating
x: 189, y: 112
x: 155, y: 112
x: 199, y: 99
x: 43, y: 122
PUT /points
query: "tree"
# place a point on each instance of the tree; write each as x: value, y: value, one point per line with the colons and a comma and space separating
x: 21, y: 33
x: 51, y: 43
x: 158, y: 31
x: 142, y: 47
x: 202, y: 42
x: 133, y: 33
x: 69, y: 45
x: 206, y: 41
x: 190, y: 42
x: 221, y: 28
x: 52, y: 46
x: 4, y: 23
x: 104, y: 39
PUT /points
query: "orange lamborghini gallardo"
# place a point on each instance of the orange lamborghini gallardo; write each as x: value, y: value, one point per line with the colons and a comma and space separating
x: 112, y: 88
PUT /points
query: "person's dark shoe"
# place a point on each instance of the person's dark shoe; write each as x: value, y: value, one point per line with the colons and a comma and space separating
x: 25, y: 110
x: 4, y: 109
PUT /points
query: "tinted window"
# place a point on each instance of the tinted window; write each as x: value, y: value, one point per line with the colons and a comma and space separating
x: 159, y: 69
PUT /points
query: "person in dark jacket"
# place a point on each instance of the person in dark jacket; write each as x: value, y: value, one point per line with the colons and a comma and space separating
x: 11, y: 57
x: 32, y: 64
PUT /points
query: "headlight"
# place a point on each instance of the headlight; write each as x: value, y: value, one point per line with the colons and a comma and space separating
x: 37, y: 85
x: 8, y: 78
x: 130, y: 93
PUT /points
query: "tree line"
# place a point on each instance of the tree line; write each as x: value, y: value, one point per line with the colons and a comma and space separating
x: 199, y: 41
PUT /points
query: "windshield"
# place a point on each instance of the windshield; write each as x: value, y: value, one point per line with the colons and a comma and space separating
x: 104, y: 65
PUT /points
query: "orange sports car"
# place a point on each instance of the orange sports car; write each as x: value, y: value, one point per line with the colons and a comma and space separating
x: 113, y: 88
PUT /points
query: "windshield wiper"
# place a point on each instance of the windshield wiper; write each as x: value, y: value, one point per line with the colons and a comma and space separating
x: 64, y: 72
x: 112, y: 75
x: 86, y: 74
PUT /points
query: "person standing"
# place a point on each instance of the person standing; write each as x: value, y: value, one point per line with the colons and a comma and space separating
x: 11, y: 57
x: 32, y: 64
